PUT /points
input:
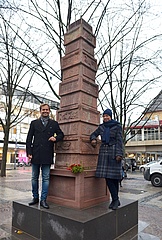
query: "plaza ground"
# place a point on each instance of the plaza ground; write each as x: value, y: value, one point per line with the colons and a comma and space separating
x: 17, y: 186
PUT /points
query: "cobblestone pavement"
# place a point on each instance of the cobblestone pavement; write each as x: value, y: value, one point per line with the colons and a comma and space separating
x: 17, y: 186
x: 149, y: 205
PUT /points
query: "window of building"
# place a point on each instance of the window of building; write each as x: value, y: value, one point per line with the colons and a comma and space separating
x: 136, y: 135
x: 151, y: 134
x: 160, y: 132
x: 24, y: 128
x: 139, y: 135
x: 132, y: 133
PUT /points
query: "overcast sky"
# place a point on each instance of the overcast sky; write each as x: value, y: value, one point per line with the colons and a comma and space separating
x: 152, y: 24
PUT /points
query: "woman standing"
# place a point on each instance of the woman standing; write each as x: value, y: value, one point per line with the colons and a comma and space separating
x: 109, y: 164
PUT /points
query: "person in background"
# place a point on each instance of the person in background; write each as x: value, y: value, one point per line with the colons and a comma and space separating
x: 42, y: 135
x: 124, y: 175
x: 109, y: 164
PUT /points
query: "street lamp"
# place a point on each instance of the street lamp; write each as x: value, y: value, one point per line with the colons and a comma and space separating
x: 15, y: 153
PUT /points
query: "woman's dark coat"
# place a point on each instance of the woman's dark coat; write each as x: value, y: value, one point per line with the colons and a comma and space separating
x: 108, y: 166
x: 37, y: 143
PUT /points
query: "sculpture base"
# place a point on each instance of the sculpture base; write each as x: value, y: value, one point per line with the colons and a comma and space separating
x: 77, y: 190
x: 60, y: 223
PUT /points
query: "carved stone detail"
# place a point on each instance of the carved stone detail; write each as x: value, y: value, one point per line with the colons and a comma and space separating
x: 68, y: 115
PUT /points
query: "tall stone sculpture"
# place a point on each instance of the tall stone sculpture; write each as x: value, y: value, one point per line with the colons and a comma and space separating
x: 78, y: 117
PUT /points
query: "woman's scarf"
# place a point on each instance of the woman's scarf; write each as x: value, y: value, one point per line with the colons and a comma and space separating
x: 106, y: 133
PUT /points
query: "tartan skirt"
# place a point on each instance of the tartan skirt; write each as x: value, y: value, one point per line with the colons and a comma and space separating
x: 107, y: 166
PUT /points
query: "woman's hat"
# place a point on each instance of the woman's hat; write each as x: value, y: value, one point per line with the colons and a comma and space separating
x: 108, y: 112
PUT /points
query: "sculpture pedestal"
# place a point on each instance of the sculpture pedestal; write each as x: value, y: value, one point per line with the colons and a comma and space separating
x: 62, y: 223
x: 76, y: 190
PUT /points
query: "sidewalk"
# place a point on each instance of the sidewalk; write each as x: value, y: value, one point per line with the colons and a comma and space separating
x: 17, y: 186
x: 149, y: 205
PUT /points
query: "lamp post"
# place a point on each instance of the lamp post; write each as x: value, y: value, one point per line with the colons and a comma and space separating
x: 15, y: 153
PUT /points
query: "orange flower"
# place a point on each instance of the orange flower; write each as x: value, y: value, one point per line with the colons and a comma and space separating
x: 76, y: 168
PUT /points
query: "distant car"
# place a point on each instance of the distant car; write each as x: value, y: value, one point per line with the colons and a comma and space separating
x: 143, y: 167
x: 23, y: 164
x: 130, y: 163
x: 153, y: 173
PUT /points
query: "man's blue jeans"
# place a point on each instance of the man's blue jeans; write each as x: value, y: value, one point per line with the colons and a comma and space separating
x: 45, y: 180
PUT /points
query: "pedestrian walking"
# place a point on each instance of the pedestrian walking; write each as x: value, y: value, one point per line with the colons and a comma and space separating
x: 124, y: 174
x: 42, y: 135
x: 109, y: 164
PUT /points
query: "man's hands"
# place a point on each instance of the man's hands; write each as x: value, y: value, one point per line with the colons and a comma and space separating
x: 53, y: 139
x: 94, y: 143
x: 29, y: 158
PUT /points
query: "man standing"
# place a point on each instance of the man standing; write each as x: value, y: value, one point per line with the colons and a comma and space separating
x: 42, y: 135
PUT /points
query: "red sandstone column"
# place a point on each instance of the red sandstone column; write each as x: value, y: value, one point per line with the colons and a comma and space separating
x: 77, y: 117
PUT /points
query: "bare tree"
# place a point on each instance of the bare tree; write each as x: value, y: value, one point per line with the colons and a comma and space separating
x: 50, y: 21
x: 123, y: 53
x: 46, y: 32
x: 125, y: 60
x: 15, y: 70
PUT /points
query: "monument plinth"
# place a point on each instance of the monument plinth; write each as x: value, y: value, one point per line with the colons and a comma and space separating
x: 78, y: 117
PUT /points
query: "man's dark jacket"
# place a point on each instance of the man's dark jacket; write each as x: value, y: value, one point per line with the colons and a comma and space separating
x: 37, y: 143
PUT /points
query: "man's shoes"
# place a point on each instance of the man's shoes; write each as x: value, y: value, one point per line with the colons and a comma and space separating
x: 44, y: 204
x: 34, y: 201
x: 112, y: 204
x: 116, y: 203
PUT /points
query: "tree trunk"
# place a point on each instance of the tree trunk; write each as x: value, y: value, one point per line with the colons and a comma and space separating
x: 5, y: 150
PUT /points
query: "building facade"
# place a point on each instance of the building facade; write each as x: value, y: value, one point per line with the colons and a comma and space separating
x: 17, y: 138
x: 145, y: 142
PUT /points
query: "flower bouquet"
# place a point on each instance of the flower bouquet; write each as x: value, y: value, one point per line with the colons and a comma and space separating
x: 76, y: 168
